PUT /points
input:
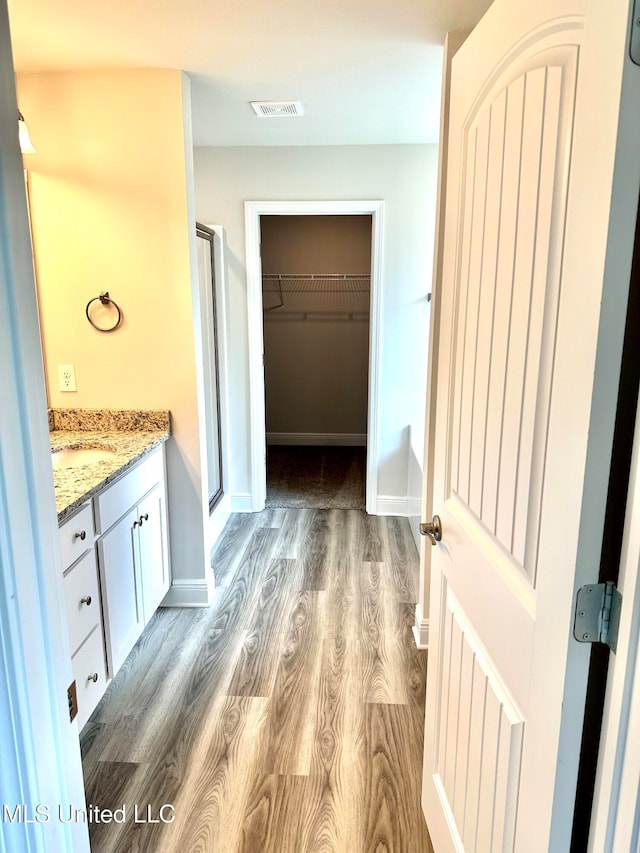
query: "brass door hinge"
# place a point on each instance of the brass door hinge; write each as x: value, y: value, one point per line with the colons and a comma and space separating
x: 72, y: 697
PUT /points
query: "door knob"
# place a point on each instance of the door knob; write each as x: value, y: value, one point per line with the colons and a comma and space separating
x: 432, y: 529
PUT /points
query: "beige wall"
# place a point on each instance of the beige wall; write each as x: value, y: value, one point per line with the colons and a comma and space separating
x: 316, y: 346
x: 108, y: 191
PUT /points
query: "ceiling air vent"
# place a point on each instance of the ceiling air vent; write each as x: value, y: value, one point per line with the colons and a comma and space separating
x: 277, y: 109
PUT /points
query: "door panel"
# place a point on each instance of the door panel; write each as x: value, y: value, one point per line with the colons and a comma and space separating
x: 515, y: 154
x: 479, y: 739
x: 519, y: 399
x: 514, y: 150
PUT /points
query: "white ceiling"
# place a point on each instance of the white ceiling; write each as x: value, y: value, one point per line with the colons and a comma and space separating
x: 366, y: 71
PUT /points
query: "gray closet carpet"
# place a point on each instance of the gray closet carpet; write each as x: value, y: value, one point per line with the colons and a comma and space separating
x: 316, y: 477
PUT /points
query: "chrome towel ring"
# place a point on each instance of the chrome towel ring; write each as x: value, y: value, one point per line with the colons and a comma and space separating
x: 104, y: 299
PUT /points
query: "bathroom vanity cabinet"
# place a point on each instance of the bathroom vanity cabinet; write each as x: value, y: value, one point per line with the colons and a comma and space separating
x: 132, y: 555
x: 116, y: 558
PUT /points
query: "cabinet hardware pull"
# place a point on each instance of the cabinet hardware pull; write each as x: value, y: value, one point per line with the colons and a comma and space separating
x: 82, y: 535
x: 93, y: 677
x: 144, y: 517
x: 136, y: 523
x: 86, y: 600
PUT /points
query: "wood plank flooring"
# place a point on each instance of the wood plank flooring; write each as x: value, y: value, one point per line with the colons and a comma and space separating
x: 286, y: 718
x: 316, y: 477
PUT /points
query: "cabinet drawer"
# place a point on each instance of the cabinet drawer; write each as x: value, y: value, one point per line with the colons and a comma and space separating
x: 118, y: 499
x: 76, y: 536
x: 82, y: 599
x: 89, y: 674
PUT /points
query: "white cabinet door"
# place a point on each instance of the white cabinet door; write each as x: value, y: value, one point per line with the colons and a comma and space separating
x: 121, y: 589
x: 532, y: 318
x: 154, y: 563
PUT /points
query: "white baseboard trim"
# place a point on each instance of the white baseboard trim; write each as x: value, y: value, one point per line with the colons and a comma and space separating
x: 392, y: 505
x: 421, y: 629
x: 319, y: 439
x: 242, y: 502
x: 193, y: 592
x: 414, y: 506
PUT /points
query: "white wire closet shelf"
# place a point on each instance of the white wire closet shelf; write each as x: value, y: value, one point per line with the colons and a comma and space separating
x: 315, y: 283
x: 301, y: 283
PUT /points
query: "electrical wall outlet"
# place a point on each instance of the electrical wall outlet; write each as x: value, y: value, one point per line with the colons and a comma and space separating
x: 67, y: 377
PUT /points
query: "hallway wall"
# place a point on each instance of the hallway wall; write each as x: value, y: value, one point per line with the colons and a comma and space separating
x: 405, y: 177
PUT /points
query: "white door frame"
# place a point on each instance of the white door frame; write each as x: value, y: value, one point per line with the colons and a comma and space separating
x: 452, y: 43
x: 253, y: 211
x: 616, y: 811
x: 41, y: 762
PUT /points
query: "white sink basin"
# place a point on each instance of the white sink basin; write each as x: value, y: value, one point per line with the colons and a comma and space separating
x: 76, y: 457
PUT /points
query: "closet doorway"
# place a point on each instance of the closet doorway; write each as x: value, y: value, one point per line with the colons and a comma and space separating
x: 313, y: 293
x: 316, y: 282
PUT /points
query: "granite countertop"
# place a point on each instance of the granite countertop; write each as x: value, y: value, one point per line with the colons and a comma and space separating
x: 128, y: 435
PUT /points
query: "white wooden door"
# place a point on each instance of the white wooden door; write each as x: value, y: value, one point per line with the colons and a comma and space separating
x: 539, y: 164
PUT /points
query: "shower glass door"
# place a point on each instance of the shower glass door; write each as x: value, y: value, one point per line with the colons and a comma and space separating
x: 206, y: 274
